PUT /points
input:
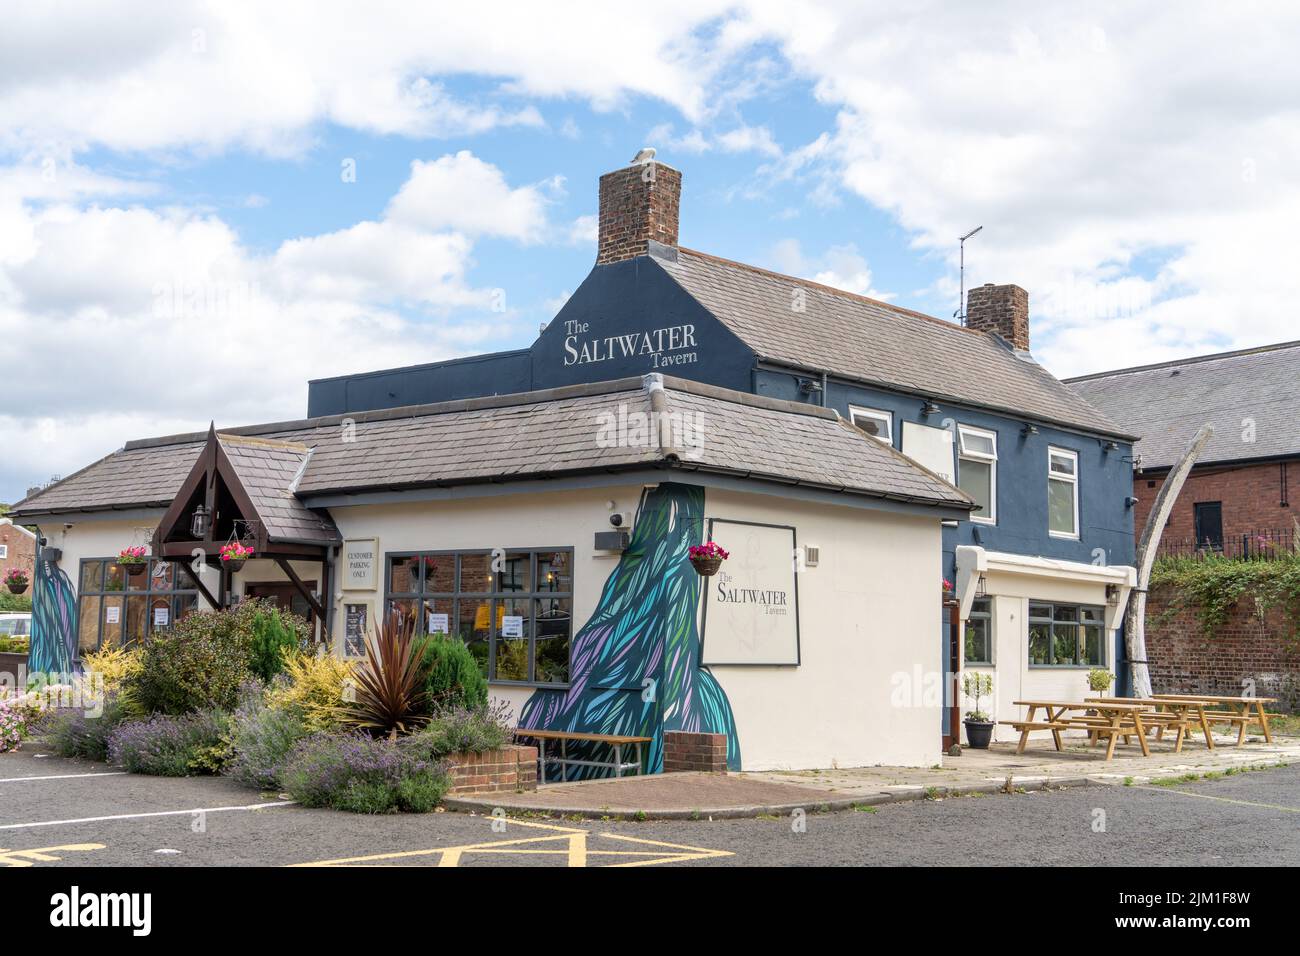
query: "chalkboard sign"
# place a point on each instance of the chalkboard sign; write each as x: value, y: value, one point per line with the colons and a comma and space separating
x: 356, y: 617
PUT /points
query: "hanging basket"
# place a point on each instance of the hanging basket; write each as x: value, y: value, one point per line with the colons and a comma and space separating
x: 136, y: 570
x: 706, y: 566
x: 233, y: 565
x: 17, y: 588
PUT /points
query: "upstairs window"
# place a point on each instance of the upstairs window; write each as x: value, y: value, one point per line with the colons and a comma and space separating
x: 977, y: 470
x: 876, y: 423
x: 1062, y: 493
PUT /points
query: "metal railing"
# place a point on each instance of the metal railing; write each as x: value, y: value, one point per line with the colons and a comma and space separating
x: 1263, y: 545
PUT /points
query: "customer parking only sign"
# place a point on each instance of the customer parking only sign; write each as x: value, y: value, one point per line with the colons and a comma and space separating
x: 751, y: 606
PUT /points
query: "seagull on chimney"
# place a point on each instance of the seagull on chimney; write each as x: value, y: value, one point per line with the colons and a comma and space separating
x: 645, y: 155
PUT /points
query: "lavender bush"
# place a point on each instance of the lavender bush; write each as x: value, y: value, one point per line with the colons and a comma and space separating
x: 72, y: 732
x: 461, y: 730
x: 359, y: 774
x: 171, y: 746
x: 262, y: 739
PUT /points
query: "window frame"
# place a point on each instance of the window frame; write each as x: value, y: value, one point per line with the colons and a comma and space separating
x: 1080, y: 626
x: 876, y: 415
x: 990, y: 459
x: 4, y: 552
x: 1073, y: 481
x: 987, y: 617
x: 148, y: 593
x: 492, y: 596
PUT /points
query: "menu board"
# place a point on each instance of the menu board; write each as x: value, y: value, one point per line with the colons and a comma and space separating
x: 356, y: 617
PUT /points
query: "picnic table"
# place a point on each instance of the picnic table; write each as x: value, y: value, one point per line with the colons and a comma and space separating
x: 1241, y: 711
x: 616, y: 742
x: 1104, y: 718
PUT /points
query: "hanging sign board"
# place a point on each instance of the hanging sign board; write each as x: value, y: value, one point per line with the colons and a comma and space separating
x: 751, y: 606
x: 355, y: 620
x: 360, y: 564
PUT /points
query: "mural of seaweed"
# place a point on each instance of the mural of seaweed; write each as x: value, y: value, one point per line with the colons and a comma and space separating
x: 636, y: 662
x: 54, y: 636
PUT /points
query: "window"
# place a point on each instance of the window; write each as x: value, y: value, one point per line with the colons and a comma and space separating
x: 979, y: 636
x: 977, y: 471
x: 4, y: 551
x: 16, y: 626
x: 113, y: 607
x: 874, y: 422
x: 1062, y: 493
x: 514, y: 613
x: 1066, y: 635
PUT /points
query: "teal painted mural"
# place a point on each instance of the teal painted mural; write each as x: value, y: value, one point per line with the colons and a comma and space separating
x: 636, y: 662
x: 54, y: 632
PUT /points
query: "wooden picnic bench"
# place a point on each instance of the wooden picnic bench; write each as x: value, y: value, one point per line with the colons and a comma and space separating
x: 1165, y: 715
x: 1101, y: 719
x: 616, y: 742
x: 1241, y: 711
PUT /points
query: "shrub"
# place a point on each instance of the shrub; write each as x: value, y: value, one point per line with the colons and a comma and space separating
x: 273, y: 639
x: 15, y: 602
x: 453, y: 678
x: 13, y: 727
x: 261, y: 739
x: 171, y: 746
x: 390, y: 692
x: 71, y: 732
x: 360, y: 774
x: 315, y: 688
x: 461, y: 730
x: 113, y: 664
x: 15, y: 645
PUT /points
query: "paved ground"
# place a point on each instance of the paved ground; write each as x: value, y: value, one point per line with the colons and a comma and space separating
x: 74, y: 813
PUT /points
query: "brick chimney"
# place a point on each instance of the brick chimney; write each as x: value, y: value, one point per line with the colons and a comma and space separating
x: 637, y: 204
x: 1003, y: 309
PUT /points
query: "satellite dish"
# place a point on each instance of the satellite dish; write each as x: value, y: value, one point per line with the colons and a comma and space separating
x: 645, y: 155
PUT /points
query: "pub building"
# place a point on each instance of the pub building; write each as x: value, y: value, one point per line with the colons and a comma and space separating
x: 851, y: 455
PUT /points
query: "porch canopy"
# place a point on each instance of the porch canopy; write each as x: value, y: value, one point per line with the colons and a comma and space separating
x: 243, y: 488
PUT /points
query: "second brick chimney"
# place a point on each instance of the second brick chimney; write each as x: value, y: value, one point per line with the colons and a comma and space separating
x: 1003, y: 309
x: 638, y: 204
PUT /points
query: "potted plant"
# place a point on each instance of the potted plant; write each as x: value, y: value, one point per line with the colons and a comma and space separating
x: 234, y: 555
x: 948, y: 593
x: 707, y: 558
x: 1099, y: 680
x: 135, y: 560
x: 979, y: 728
x: 16, y: 580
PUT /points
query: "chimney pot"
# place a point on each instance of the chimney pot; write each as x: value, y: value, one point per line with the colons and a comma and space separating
x: 638, y: 204
x: 1003, y: 309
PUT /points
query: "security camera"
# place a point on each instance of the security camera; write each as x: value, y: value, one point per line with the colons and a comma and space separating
x: 616, y: 519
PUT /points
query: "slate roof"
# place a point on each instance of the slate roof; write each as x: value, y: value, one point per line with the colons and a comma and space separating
x: 1168, y: 402
x: 858, y: 338
x: 269, y: 470
x: 534, y: 435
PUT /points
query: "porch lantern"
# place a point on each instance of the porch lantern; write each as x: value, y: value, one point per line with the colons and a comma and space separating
x: 981, y: 587
x: 1112, y: 594
x: 199, y: 523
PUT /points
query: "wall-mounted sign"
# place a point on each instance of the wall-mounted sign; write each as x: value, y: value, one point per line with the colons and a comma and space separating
x: 512, y: 625
x: 360, y: 563
x: 663, y: 347
x: 438, y: 623
x: 356, y: 617
x: 751, y: 606
x: 930, y: 448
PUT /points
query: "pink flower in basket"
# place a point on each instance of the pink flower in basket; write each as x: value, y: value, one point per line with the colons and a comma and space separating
x: 136, y: 555
x: 16, y: 576
x: 709, y: 550
x: 235, y: 552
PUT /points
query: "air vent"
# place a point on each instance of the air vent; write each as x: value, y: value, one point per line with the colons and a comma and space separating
x: 811, y: 555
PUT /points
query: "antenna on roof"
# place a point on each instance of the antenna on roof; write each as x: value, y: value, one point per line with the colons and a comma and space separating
x: 961, y: 303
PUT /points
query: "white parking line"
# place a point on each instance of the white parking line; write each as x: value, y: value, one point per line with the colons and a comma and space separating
x: 141, y: 816
x: 63, y: 776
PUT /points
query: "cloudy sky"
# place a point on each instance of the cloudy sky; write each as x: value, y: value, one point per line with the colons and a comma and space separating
x: 205, y: 204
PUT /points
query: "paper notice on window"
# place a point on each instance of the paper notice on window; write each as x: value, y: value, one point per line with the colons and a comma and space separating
x: 512, y: 626
x: 439, y: 623
x: 161, y: 616
x: 112, y: 615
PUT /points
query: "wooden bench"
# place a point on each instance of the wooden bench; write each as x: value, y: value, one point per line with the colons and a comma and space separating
x: 1101, y: 719
x: 1239, y: 711
x: 1161, y: 716
x: 616, y: 742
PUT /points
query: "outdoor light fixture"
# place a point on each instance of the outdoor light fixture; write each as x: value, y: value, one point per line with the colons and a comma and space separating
x: 929, y: 408
x: 1029, y: 429
x: 1112, y: 594
x: 981, y: 587
x: 199, y: 523
x: 809, y: 386
x: 1111, y: 446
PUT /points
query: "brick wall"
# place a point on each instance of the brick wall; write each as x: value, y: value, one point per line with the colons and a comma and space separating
x: 686, y: 751
x: 1184, y: 660
x: 1252, y: 497
x: 637, y: 204
x: 510, y: 768
x: 21, y: 548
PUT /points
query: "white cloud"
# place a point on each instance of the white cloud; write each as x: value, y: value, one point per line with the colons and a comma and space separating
x: 464, y: 193
x: 841, y: 267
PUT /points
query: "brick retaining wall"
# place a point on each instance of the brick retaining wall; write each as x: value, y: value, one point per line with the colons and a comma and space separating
x: 1184, y: 660
x: 686, y: 751
x: 510, y: 768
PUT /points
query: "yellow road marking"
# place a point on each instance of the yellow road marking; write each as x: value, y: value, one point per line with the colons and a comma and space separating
x: 45, y: 854
x: 574, y: 849
x: 1206, y: 796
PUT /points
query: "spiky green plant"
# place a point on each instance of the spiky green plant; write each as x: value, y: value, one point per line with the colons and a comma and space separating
x: 390, y: 693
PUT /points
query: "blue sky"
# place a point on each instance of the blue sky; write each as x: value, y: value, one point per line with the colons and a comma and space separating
x: 172, y: 209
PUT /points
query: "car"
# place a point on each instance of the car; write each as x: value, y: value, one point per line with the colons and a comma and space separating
x: 15, y: 623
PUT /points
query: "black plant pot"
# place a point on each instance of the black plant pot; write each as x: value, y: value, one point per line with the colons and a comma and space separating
x: 17, y: 588
x: 234, y: 564
x: 979, y: 733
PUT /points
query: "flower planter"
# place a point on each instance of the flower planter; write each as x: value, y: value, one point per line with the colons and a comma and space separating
x: 707, y: 566
x: 233, y: 565
x: 17, y: 588
x: 979, y: 733
x: 136, y: 570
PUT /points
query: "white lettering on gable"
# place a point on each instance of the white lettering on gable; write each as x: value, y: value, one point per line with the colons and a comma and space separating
x: 666, y: 346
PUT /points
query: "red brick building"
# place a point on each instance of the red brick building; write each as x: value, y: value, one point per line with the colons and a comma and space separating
x: 1238, y: 497
x: 17, y: 548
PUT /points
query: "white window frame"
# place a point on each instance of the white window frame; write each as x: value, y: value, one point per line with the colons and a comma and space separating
x: 962, y: 432
x: 4, y: 552
x: 1072, y: 480
x: 878, y: 415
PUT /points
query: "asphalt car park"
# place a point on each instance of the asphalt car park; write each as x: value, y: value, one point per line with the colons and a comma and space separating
x: 58, y: 812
